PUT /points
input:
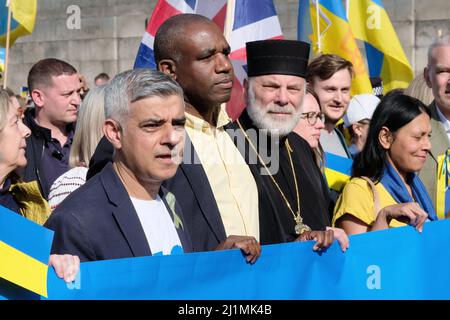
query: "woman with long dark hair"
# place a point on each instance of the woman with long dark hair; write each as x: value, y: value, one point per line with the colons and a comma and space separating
x: 384, y: 190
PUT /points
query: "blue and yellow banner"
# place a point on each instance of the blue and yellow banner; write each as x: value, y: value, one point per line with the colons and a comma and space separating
x: 22, y: 19
x: 385, y: 56
x: 338, y: 171
x: 372, y: 268
x: 24, y: 251
x: 335, y: 37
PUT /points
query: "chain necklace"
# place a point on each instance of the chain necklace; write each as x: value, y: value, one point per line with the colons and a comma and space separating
x: 300, y: 227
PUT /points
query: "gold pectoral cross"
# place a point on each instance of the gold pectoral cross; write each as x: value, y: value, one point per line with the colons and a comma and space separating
x: 300, y: 227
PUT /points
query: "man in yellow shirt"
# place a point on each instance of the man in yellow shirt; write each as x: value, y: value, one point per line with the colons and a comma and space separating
x: 193, y: 50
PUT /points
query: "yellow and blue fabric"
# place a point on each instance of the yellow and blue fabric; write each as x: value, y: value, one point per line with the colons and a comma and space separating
x: 338, y: 170
x: 32, y: 205
x: 385, y: 56
x: 24, y: 251
x: 396, y: 187
x: 357, y: 200
x: 443, y: 185
x: 23, y: 16
x: 373, y: 268
x: 2, y: 59
x: 335, y: 35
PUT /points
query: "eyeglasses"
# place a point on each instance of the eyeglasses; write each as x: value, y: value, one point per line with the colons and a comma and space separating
x: 312, y: 117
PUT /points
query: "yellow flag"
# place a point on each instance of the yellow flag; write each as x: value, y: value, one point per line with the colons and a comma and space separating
x: 22, y: 19
x: 370, y: 22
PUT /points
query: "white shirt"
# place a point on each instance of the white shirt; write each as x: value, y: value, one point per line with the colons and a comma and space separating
x: 158, y: 226
x: 444, y: 121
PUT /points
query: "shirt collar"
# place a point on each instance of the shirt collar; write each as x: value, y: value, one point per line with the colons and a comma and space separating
x: 197, y: 123
x: 445, y: 122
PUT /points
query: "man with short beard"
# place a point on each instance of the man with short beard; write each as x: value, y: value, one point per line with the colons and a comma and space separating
x: 274, y: 92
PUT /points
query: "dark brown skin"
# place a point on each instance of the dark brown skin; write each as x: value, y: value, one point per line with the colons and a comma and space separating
x: 248, y: 245
x: 323, y: 239
x: 204, y: 69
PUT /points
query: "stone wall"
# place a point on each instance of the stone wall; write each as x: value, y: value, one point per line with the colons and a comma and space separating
x: 111, y: 30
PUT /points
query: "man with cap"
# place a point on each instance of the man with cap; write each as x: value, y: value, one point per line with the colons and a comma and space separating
x: 357, y: 120
x: 274, y: 91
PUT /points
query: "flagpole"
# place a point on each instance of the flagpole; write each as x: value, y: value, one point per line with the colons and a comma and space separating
x: 8, y: 30
x: 229, y: 20
x: 319, y: 44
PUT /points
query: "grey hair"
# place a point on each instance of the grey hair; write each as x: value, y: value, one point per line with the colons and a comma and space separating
x: 441, y: 41
x: 134, y: 85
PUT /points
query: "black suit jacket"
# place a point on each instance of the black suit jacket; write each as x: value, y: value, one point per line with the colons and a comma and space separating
x: 191, y: 187
x: 98, y: 221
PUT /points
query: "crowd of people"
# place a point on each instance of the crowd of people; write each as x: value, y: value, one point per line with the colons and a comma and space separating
x: 149, y: 162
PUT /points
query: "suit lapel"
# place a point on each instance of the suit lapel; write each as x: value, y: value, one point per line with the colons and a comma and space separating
x: 195, y: 174
x: 125, y: 214
x: 439, y: 138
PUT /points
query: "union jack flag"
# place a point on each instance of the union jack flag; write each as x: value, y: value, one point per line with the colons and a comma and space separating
x: 252, y: 20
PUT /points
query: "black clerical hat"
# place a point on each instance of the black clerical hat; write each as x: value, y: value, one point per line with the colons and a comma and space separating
x: 277, y: 57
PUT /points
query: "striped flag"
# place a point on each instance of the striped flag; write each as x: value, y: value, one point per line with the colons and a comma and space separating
x: 251, y: 20
x: 327, y: 18
x: 22, y: 20
x: 370, y: 23
x: 338, y: 171
x: 164, y: 9
x: 24, y: 251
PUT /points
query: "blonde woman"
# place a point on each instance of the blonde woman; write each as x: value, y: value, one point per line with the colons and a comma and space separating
x: 88, y: 133
x: 24, y: 198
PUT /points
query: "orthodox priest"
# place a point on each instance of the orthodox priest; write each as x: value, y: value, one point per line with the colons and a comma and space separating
x: 278, y: 158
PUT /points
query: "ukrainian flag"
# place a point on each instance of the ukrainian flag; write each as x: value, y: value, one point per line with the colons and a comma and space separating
x: 338, y: 171
x: 385, y: 56
x: 24, y: 251
x: 22, y: 19
x: 335, y: 37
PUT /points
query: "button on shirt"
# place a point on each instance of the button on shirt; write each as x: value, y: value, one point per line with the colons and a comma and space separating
x: 55, y: 160
x: 231, y: 181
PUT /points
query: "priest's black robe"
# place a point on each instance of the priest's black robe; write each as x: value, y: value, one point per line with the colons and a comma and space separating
x: 313, y: 191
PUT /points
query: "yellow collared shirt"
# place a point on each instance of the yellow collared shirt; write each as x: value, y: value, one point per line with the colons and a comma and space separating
x: 230, y: 178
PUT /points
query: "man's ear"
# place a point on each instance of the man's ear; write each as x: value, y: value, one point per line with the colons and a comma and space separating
x: 113, y: 132
x: 386, y: 138
x: 38, y: 98
x: 356, y: 129
x: 426, y: 75
x: 168, y: 67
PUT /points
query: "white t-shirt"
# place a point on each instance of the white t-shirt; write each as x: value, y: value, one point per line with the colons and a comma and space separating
x: 158, y: 226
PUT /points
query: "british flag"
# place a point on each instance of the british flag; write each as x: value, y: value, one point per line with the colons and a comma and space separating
x: 252, y: 20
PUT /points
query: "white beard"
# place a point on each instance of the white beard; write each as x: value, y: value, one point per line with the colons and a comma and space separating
x: 262, y: 119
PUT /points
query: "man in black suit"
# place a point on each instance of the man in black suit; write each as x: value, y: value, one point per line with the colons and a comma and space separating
x: 221, y: 200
